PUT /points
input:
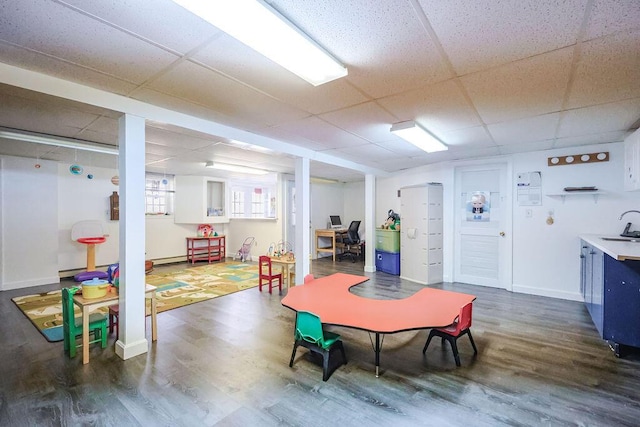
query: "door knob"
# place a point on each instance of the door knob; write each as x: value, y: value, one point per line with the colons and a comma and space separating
x: 502, y: 234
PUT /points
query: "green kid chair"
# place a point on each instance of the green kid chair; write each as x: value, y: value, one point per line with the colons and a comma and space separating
x: 72, y: 326
x: 309, y: 334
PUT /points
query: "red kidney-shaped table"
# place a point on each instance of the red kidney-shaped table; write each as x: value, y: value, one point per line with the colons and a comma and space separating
x: 329, y: 298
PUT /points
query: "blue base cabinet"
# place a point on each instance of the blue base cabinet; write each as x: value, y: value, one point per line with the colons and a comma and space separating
x: 388, y: 262
x: 611, y: 291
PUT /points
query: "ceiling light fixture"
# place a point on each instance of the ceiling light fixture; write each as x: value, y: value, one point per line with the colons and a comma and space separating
x: 235, y: 168
x: 56, y: 141
x: 262, y: 28
x: 412, y: 132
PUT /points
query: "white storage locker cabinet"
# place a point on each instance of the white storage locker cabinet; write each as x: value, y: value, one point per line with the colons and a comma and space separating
x: 421, y: 233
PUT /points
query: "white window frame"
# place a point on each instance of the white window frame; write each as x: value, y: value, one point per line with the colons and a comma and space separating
x: 159, y: 191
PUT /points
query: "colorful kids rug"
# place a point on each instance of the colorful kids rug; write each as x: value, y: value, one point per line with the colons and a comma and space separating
x: 175, y: 289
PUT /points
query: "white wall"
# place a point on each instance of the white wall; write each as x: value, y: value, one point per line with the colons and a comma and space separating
x: 28, y: 237
x: 81, y: 199
x: 354, y: 208
x: 545, y: 257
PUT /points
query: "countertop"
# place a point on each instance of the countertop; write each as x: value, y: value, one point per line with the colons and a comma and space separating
x: 618, y: 250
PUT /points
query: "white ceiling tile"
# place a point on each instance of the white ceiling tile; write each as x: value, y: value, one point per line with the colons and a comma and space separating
x: 361, y: 32
x: 476, y: 136
x: 609, y: 70
x: 439, y: 108
x: 368, y: 120
x: 87, y: 42
x: 481, y: 34
x: 34, y: 61
x: 165, y: 23
x: 325, y: 134
x: 168, y: 138
x: 401, y: 147
x: 617, y: 116
x: 610, y: 16
x: 528, y: 87
x: 21, y: 113
x: 531, y: 129
x: 599, y: 138
x: 231, y: 57
x: 526, y: 147
x: 205, y: 87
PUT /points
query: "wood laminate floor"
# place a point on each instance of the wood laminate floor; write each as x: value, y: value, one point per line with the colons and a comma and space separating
x: 225, y: 362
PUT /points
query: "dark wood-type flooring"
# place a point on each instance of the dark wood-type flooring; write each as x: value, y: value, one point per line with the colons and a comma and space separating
x: 225, y: 362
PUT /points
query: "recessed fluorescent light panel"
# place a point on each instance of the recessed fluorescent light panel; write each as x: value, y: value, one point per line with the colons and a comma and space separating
x: 262, y: 28
x: 56, y: 141
x: 235, y: 168
x: 412, y: 132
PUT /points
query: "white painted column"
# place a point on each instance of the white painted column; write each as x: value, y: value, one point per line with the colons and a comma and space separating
x: 370, y: 222
x: 131, y: 137
x: 303, y: 218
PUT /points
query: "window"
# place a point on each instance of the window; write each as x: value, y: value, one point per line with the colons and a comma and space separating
x: 237, y: 203
x: 159, y: 191
x: 253, y: 201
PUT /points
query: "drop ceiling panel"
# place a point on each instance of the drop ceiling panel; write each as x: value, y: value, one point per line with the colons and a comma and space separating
x: 609, y: 70
x: 87, y: 42
x: 231, y: 57
x: 368, y: 120
x: 170, y: 138
x: 325, y: 134
x: 608, y: 17
x: 400, y: 147
x: 618, y: 116
x: 165, y: 23
x: 368, y: 153
x: 440, y: 108
x: 526, y: 147
x: 482, y: 34
x: 476, y: 136
x: 200, y: 85
x: 531, y: 129
x: 362, y: 32
x: 598, y: 138
x: 539, y: 81
x: 21, y: 113
x: 38, y: 62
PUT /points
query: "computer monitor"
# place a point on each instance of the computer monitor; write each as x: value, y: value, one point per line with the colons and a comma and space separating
x: 335, y: 221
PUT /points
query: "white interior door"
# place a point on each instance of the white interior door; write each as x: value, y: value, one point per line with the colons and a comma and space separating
x: 483, y: 226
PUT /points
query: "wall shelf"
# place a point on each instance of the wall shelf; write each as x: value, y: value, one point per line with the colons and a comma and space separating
x: 574, y: 194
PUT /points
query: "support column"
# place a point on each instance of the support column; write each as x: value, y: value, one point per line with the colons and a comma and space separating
x: 370, y: 222
x: 303, y: 218
x: 131, y: 137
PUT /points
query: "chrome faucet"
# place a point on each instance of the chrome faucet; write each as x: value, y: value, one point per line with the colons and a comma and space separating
x: 624, y: 213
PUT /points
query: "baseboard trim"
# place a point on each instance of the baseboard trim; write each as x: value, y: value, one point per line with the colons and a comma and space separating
x: 552, y: 293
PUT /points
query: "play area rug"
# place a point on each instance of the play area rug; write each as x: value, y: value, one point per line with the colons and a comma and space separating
x: 175, y: 289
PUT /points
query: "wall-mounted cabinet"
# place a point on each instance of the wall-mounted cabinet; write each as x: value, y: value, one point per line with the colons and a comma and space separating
x: 632, y: 162
x: 201, y: 200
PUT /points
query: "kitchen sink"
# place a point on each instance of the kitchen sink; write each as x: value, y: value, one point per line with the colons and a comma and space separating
x: 620, y: 239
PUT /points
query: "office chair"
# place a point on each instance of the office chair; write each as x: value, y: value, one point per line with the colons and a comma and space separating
x: 309, y: 334
x: 453, y: 332
x: 351, y: 242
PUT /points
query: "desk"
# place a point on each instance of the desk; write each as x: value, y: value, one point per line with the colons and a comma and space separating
x: 329, y: 298
x: 208, y: 249
x: 330, y: 233
x: 87, y: 305
x: 286, y: 263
